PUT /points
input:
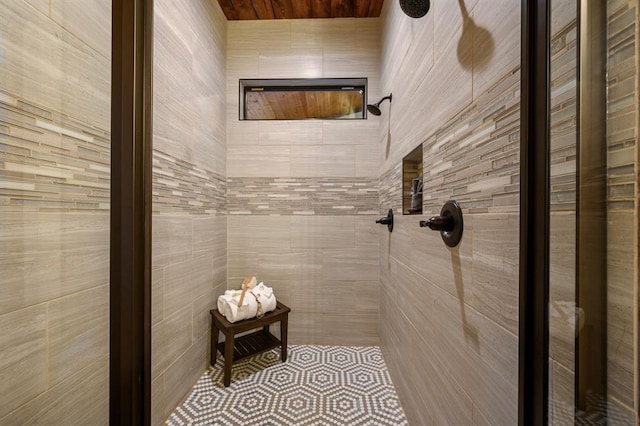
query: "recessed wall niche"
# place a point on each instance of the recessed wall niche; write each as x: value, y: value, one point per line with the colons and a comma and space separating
x: 303, y: 98
x: 412, y: 182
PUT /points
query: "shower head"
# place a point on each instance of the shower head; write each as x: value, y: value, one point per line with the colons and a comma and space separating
x: 415, y: 8
x: 375, y: 108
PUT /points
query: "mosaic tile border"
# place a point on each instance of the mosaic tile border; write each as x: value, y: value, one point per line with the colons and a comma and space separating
x: 182, y: 187
x: 391, y: 190
x: 474, y: 158
x: 333, y: 196
x: 50, y: 161
x: 53, y: 162
x: 318, y: 385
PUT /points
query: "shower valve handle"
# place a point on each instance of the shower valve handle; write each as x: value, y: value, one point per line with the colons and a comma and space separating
x: 384, y: 220
x: 438, y: 223
x: 449, y: 223
x: 388, y: 220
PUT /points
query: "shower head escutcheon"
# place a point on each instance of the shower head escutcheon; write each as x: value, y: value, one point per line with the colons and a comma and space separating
x: 375, y: 108
x: 415, y: 8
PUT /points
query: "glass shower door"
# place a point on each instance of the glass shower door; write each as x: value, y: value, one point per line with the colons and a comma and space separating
x: 593, y: 316
x: 55, y: 143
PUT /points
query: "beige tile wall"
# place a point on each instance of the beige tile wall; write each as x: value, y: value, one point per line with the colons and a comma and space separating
x: 449, y: 316
x: 324, y: 265
x: 54, y: 212
x: 189, y: 213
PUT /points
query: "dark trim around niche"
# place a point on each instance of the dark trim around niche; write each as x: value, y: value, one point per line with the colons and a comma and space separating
x: 130, y: 240
x: 303, y: 84
x: 534, y: 216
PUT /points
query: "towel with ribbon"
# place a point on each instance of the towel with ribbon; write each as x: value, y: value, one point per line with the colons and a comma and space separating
x: 253, y: 301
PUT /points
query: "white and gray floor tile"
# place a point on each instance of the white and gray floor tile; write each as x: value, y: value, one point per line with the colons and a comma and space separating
x: 318, y: 385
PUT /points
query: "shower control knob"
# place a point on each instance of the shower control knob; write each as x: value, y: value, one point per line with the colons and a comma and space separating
x: 449, y: 223
x: 387, y: 220
x: 438, y: 223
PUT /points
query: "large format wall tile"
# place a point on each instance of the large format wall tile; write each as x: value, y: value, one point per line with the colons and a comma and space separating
x: 496, y: 42
x: 186, y: 281
x: 77, y: 333
x: 288, y: 63
x: 259, y: 232
x: 258, y: 35
x: 54, y: 52
x: 49, y: 255
x: 495, y: 268
x: 171, y: 338
x: 23, y: 363
x: 259, y: 161
x: 323, y: 160
x: 324, y: 267
x: 172, y: 239
x: 81, y: 399
x: 322, y: 232
x: 90, y: 21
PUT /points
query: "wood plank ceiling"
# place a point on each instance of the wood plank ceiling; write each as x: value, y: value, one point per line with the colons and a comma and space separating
x: 300, y: 9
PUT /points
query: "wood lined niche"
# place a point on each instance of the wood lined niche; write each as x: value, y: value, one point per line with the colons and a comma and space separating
x: 301, y: 99
x: 300, y: 9
x: 300, y: 105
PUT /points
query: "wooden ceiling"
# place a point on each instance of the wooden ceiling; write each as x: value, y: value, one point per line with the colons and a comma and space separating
x: 300, y: 9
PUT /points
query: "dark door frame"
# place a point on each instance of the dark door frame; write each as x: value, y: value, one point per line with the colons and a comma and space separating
x: 130, y: 245
x: 533, y: 377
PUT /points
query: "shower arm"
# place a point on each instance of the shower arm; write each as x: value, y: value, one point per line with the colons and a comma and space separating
x: 384, y: 99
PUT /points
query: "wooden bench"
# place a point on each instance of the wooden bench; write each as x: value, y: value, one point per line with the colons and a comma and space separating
x: 233, y: 349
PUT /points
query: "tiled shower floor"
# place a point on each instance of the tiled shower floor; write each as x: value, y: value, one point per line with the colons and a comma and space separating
x: 318, y: 385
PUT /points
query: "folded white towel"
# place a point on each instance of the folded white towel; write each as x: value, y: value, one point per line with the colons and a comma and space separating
x: 228, y: 303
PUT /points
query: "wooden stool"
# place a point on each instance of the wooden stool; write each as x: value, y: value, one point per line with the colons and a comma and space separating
x: 251, y: 344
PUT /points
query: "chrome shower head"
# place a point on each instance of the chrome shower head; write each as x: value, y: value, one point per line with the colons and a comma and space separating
x: 415, y: 8
x: 375, y: 108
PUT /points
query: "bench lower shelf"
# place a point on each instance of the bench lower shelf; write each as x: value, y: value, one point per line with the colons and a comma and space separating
x: 251, y: 344
x: 233, y: 349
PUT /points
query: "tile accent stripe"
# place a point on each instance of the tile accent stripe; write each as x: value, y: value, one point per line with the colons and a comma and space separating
x: 182, y: 187
x: 391, y: 190
x: 302, y: 196
x: 474, y: 158
x: 50, y: 161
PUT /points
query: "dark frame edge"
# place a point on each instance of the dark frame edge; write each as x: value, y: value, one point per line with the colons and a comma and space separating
x: 533, y: 375
x: 130, y: 233
x: 147, y: 138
